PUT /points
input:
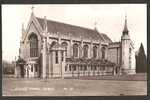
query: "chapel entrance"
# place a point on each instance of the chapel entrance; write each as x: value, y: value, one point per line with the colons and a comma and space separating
x: 31, y: 69
x: 22, y: 73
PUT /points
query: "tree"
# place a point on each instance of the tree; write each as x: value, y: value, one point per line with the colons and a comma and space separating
x: 7, y: 67
x: 141, y: 63
x: 21, y: 62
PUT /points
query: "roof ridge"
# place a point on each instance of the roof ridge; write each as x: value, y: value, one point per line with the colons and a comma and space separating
x: 68, y: 24
x: 55, y: 26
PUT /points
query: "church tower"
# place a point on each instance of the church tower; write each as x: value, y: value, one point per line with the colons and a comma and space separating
x: 126, y: 51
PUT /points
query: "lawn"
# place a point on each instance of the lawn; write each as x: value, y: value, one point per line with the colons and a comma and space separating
x: 71, y: 87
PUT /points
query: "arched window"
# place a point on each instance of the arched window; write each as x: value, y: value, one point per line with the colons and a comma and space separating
x: 94, y: 51
x: 75, y: 50
x: 53, y: 43
x: 33, y: 45
x: 66, y: 47
x: 103, y: 52
x: 56, y: 52
x: 85, y: 51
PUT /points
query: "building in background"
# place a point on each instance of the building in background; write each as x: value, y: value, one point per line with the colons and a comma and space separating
x: 55, y: 49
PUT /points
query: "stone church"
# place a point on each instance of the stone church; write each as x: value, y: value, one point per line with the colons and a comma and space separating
x: 55, y: 49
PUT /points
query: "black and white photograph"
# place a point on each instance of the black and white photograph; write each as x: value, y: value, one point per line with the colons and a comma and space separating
x: 74, y: 49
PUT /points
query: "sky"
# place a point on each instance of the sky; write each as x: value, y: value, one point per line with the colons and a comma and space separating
x: 109, y: 18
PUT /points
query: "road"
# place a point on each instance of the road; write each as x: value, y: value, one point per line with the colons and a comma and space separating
x: 71, y: 87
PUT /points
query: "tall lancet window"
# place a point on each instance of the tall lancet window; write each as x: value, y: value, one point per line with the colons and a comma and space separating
x: 33, y: 45
x: 75, y: 50
x: 85, y: 51
x: 94, y: 51
x: 56, y: 52
x: 66, y: 48
x: 103, y: 52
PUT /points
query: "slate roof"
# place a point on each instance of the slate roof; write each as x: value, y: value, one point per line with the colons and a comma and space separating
x: 75, y: 31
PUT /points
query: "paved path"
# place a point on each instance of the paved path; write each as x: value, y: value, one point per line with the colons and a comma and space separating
x: 71, y: 87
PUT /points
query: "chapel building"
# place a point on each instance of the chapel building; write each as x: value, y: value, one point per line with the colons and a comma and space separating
x: 54, y: 49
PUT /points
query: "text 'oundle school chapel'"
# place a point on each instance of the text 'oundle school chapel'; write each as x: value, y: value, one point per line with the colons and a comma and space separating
x: 54, y: 49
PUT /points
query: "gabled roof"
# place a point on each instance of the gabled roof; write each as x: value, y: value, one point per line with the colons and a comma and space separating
x: 75, y: 31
